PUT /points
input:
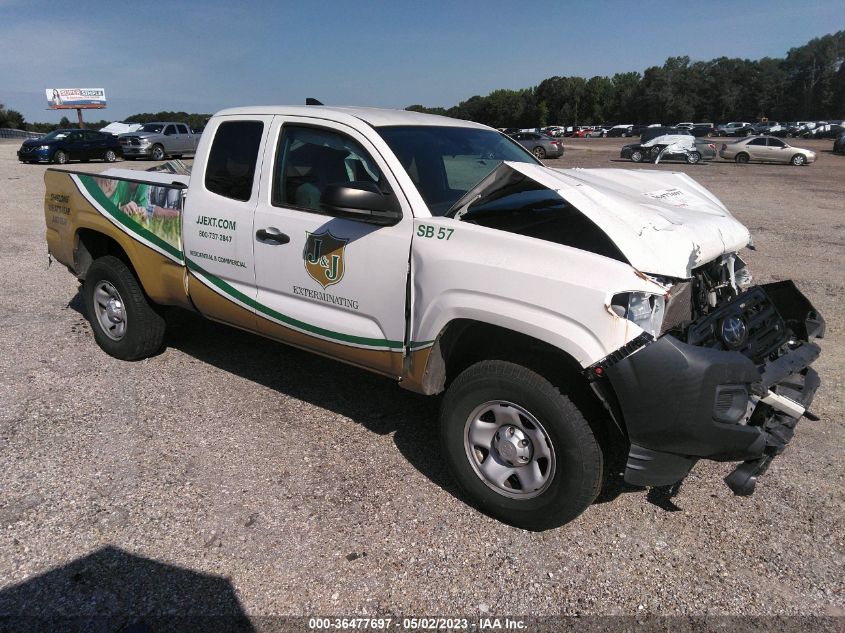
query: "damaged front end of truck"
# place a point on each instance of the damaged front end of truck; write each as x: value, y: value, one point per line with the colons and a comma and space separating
x: 718, y: 368
x: 727, y: 378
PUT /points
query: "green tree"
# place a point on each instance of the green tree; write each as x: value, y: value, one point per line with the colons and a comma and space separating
x: 11, y: 119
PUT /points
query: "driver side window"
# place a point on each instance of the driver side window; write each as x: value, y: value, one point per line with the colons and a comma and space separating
x: 309, y: 159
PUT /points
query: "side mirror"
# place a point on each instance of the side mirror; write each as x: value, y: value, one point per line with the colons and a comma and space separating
x: 362, y: 201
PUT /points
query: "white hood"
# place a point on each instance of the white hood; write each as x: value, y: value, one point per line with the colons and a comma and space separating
x: 664, y: 223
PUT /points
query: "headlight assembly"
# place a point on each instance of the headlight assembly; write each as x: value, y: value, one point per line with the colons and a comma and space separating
x: 642, y: 308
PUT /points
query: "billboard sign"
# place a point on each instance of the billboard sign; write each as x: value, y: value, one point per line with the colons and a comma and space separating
x: 71, y: 98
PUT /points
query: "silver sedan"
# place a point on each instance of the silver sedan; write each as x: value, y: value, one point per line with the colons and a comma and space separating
x: 766, y: 149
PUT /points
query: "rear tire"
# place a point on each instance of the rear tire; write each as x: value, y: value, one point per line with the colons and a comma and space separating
x: 124, y: 323
x: 742, y: 159
x: 109, y: 156
x: 539, y: 153
x: 693, y: 158
x: 519, y: 450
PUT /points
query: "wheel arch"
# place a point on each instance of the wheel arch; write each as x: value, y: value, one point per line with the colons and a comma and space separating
x: 162, y: 280
x: 465, y: 341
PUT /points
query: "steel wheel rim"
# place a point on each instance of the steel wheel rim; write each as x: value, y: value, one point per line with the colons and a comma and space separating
x: 110, y: 310
x: 495, y: 436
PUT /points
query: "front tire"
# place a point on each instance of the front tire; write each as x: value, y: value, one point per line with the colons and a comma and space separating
x: 519, y: 450
x: 798, y: 160
x: 157, y: 153
x: 637, y: 156
x: 124, y: 323
x: 60, y: 157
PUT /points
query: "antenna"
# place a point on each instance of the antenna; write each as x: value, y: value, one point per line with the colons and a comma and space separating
x: 312, y: 101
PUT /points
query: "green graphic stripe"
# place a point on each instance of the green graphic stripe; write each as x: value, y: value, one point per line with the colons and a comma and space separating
x: 128, y: 223
x: 307, y: 327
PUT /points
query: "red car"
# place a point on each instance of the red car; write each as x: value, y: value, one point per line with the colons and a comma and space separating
x: 581, y: 132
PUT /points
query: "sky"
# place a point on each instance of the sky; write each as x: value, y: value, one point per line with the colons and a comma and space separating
x: 210, y: 55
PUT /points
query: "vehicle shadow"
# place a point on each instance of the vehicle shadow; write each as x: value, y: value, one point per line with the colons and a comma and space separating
x: 113, y: 590
x: 373, y: 401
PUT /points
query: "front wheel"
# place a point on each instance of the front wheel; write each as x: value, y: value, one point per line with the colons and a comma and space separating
x: 798, y: 160
x: 520, y: 450
x: 124, y: 323
x: 157, y: 153
x: 637, y: 156
x: 60, y: 157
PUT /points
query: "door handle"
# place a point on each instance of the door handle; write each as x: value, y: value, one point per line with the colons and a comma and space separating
x: 271, y: 234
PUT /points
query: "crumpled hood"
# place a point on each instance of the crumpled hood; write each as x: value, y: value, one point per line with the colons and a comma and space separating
x: 664, y: 223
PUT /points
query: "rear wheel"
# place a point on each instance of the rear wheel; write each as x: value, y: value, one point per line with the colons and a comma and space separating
x: 539, y: 152
x: 693, y: 158
x: 798, y: 160
x: 520, y: 450
x: 109, y: 156
x: 60, y: 157
x: 741, y: 158
x: 124, y: 323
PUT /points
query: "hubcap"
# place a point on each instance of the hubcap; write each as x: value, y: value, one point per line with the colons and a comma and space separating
x: 110, y: 310
x: 509, y: 449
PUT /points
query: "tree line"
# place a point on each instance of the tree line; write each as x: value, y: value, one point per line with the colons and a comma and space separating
x: 807, y: 84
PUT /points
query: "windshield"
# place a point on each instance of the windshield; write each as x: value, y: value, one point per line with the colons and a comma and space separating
x: 446, y: 162
x: 55, y: 135
x: 153, y: 127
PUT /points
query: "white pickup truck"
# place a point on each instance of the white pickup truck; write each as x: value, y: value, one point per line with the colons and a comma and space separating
x: 563, y: 312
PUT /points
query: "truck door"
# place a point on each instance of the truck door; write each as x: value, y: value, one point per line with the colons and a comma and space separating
x: 332, y: 285
x: 217, y: 229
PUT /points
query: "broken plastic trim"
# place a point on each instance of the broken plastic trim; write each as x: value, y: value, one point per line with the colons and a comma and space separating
x: 599, y: 369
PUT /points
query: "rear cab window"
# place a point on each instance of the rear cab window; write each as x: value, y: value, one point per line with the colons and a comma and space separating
x: 230, y: 169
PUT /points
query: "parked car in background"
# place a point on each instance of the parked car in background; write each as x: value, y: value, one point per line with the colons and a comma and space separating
x: 540, y: 145
x: 766, y: 127
x: 636, y: 153
x: 734, y: 128
x: 654, y: 140
x: 599, y: 131
x: 685, y: 126
x: 766, y: 149
x: 555, y: 131
x: 580, y: 131
x: 839, y: 144
x: 61, y: 146
x: 159, y: 140
x: 702, y: 129
x: 510, y: 131
x: 620, y: 130
x: 831, y: 129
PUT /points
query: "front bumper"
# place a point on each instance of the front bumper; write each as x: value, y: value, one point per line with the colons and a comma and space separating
x: 136, y: 150
x: 682, y: 402
x: 36, y: 155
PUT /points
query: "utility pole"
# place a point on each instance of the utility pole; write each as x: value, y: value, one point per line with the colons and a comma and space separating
x: 79, y: 116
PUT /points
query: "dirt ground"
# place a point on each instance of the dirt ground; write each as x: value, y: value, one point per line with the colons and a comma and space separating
x: 227, y: 479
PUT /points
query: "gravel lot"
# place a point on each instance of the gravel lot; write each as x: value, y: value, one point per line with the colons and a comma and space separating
x: 225, y: 477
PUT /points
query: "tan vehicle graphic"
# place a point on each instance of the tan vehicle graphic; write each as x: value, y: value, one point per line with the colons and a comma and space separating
x: 324, y: 257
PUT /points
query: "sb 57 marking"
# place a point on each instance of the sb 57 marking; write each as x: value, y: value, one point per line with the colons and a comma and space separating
x: 431, y: 232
